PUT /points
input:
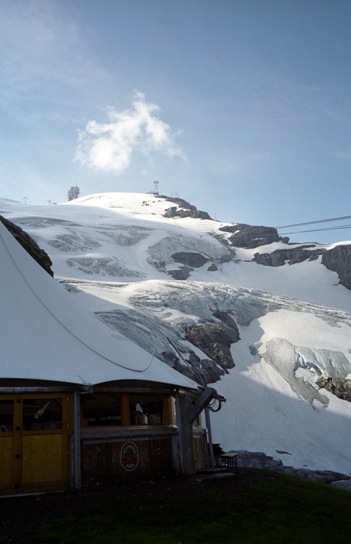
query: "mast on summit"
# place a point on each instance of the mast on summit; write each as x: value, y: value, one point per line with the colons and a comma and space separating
x: 156, y: 183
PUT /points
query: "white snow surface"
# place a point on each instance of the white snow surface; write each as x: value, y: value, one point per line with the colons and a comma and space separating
x: 115, y: 253
x: 47, y: 335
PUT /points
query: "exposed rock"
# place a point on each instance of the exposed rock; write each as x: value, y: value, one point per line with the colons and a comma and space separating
x: 325, y: 476
x: 215, y: 340
x: 228, y: 320
x: 30, y: 245
x: 338, y: 259
x: 183, y: 209
x: 180, y: 212
x: 256, y: 459
x: 188, y: 258
x: 293, y: 256
x: 167, y: 344
x: 182, y: 273
x: 251, y: 236
x: 340, y: 387
x: 343, y: 484
x: 179, y: 201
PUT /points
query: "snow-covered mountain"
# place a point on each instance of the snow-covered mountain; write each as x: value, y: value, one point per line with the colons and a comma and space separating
x: 267, y: 321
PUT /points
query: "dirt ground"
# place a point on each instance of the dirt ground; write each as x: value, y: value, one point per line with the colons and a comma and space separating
x: 18, y: 513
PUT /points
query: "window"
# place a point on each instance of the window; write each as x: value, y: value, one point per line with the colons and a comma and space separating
x: 112, y: 409
x: 101, y: 410
x: 42, y: 414
x: 6, y: 416
x: 146, y: 410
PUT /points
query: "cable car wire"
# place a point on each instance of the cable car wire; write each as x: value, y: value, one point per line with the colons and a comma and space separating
x: 314, y: 222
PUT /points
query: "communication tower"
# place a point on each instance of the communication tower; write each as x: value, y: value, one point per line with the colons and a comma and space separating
x: 73, y: 193
x: 156, y: 188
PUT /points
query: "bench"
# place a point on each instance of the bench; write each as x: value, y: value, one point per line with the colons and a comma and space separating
x: 228, y: 460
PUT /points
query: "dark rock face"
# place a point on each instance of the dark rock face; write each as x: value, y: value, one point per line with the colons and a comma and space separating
x: 229, y: 321
x: 167, y: 344
x: 338, y: 260
x: 182, y: 273
x: 251, y: 237
x: 196, y: 260
x: 30, y: 245
x: 184, y: 209
x: 189, y: 260
x: 179, y: 212
x: 340, y: 387
x: 215, y: 340
x: 293, y: 256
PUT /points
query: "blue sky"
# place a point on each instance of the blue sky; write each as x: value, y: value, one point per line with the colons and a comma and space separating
x: 241, y: 107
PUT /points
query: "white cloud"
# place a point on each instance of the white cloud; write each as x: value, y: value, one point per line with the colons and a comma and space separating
x: 110, y: 146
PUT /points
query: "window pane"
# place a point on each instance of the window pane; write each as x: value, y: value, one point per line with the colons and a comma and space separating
x: 6, y: 416
x: 101, y: 410
x: 42, y: 414
x: 146, y: 410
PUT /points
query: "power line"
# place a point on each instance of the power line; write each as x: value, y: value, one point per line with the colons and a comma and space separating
x: 316, y: 230
x: 314, y: 222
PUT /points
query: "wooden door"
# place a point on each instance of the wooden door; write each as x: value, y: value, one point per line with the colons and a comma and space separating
x: 34, y: 433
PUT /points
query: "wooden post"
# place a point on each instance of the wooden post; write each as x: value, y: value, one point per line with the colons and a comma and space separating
x: 76, y: 460
x: 185, y: 435
x: 209, y: 434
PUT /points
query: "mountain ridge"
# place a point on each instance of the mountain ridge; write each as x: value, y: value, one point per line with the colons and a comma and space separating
x: 271, y: 338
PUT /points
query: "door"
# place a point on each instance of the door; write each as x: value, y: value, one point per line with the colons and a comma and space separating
x: 34, y: 432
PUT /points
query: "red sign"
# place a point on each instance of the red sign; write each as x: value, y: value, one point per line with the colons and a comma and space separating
x: 129, y: 456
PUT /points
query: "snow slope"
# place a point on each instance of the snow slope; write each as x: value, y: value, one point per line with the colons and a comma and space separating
x: 119, y: 255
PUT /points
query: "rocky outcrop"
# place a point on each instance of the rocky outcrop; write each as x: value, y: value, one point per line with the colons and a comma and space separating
x: 30, y: 245
x: 181, y: 212
x: 340, y: 387
x: 188, y: 258
x: 165, y: 343
x: 251, y: 236
x: 182, y: 273
x: 293, y: 256
x: 338, y: 259
x: 183, y: 209
x: 250, y: 459
x: 215, y: 339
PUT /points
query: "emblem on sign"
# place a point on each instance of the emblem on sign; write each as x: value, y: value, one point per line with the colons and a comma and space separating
x: 129, y: 456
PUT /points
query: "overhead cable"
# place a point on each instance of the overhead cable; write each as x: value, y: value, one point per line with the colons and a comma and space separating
x: 315, y: 230
x: 314, y: 222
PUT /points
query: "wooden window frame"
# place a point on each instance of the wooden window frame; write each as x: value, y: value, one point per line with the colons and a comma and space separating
x: 167, y: 411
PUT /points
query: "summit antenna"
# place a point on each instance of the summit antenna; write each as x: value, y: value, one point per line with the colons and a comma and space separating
x: 156, y: 187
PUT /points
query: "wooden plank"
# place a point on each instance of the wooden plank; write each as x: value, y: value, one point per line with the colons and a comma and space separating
x: 42, y: 458
x: 6, y: 456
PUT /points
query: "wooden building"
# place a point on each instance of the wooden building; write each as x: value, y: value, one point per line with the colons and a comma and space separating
x: 79, y: 402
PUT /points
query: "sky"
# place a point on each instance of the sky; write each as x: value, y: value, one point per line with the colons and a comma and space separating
x: 241, y: 107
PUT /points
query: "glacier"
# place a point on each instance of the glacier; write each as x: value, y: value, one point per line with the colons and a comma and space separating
x: 155, y: 278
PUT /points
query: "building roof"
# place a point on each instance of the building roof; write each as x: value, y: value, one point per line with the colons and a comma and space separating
x: 45, y: 334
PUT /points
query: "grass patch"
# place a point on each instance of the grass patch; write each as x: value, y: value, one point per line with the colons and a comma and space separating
x: 278, y: 509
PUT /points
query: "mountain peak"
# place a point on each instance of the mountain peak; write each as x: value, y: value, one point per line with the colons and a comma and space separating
x: 235, y: 304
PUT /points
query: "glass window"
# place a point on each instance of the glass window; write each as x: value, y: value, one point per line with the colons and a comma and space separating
x: 146, y: 410
x: 6, y: 416
x: 42, y: 414
x: 101, y: 410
